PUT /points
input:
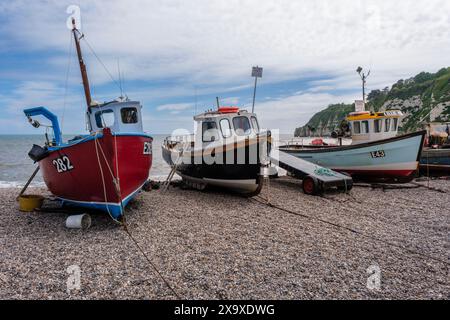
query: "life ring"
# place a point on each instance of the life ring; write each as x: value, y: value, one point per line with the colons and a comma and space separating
x: 228, y: 110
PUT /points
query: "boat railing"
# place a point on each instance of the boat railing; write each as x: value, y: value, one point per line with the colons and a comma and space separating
x: 293, y: 142
x: 181, y: 141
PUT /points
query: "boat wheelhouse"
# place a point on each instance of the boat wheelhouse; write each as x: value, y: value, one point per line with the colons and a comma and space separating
x: 120, y: 116
x: 368, y: 126
x: 226, y: 150
x: 435, y: 158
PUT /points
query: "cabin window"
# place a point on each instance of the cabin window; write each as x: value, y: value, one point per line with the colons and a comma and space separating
x: 377, y: 125
x: 104, y: 118
x: 364, y: 126
x: 129, y: 115
x: 255, y: 124
x: 394, y: 124
x: 356, y: 127
x: 225, y: 127
x: 88, y: 122
x: 209, y: 131
x: 387, y: 125
x: 242, y: 126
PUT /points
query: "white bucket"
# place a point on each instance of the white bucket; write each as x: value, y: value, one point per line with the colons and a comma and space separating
x: 80, y: 221
x: 268, y: 171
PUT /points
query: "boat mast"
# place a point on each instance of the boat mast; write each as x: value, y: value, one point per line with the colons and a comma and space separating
x: 87, y: 90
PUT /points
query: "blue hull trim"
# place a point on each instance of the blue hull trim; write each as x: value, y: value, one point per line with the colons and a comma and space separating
x: 115, y: 209
x: 87, y: 138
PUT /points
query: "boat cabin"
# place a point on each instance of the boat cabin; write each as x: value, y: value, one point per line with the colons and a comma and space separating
x: 119, y: 116
x: 369, y: 126
x: 226, y: 123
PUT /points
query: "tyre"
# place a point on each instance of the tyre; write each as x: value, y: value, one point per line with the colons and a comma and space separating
x: 310, y: 185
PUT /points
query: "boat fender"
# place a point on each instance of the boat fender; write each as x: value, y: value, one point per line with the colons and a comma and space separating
x: 37, y: 153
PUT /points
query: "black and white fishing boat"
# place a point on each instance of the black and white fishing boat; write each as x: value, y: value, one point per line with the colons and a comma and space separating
x: 227, y: 150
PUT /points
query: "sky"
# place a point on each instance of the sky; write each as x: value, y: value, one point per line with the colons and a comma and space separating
x: 177, y: 56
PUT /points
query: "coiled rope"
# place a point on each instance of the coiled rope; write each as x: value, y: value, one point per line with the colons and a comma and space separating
x: 324, y: 172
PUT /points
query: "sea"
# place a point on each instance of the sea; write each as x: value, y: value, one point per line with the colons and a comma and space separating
x: 16, y: 167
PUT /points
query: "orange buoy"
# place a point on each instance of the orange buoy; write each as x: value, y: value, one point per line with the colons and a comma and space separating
x: 317, y: 142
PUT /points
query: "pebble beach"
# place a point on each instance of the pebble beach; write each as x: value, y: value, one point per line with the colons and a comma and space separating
x: 214, y: 245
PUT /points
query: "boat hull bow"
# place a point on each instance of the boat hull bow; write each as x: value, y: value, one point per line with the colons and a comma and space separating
x: 241, y: 176
x: 394, y: 159
x: 101, y: 172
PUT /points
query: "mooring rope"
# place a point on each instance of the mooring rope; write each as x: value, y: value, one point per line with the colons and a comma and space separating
x: 123, y: 223
x: 351, y: 230
x: 103, y: 181
x: 127, y: 231
x: 398, y: 187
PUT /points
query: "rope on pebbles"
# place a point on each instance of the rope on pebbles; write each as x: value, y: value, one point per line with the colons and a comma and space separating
x: 123, y: 221
x: 349, y: 229
x: 125, y: 228
x: 385, y: 187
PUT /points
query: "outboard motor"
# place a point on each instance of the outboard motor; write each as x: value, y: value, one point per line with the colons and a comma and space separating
x: 37, y: 153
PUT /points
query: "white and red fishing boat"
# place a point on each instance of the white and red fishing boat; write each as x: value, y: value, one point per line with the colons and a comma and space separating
x: 104, y: 169
x: 228, y: 150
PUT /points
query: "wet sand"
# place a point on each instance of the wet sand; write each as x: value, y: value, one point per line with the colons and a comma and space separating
x: 221, y: 246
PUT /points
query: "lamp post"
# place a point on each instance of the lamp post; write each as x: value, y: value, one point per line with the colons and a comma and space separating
x: 363, y: 78
x: 257, y: 73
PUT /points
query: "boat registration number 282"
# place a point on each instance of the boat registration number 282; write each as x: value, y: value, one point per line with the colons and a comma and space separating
x: 147, y: 148
x: 62, y: 164
x: 378, y: 154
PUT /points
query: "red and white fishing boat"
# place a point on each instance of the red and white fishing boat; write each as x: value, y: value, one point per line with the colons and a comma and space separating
x: 105, y: 169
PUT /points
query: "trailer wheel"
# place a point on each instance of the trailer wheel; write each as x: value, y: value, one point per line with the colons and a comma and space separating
x: 310, y: 185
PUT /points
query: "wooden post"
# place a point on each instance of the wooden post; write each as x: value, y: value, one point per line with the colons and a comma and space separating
x: 28, y: 182
x: 87, y: 90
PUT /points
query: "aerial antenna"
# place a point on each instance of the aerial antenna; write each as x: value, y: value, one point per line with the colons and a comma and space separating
x: 120, y: 79
x: 123, y: 85
x: 256, y: 73
x: 195, y: 89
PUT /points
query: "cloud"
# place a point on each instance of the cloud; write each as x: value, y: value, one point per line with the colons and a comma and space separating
x: 223, y: 39
x: 170, y: 51
x: 230, y: 101
x: 175, y: 107
x: 290, y: 112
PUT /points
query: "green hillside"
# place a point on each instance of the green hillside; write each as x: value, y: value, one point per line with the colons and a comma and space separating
x: 416, y: 97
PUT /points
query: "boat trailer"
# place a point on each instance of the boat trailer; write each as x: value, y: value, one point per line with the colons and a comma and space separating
x: 315, y: 179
